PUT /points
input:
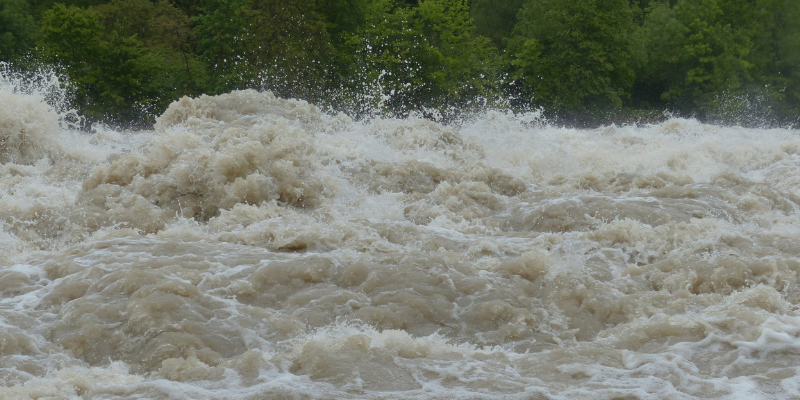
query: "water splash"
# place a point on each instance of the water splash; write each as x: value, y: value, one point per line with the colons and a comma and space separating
x: 250, y: 246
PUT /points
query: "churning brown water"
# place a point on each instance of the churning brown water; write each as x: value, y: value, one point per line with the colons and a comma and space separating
x: 251, y: 247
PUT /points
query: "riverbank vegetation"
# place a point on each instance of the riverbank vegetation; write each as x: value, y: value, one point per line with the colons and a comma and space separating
x: 583, y: 62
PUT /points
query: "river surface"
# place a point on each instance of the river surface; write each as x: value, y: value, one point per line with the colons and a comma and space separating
x: 251, y: 247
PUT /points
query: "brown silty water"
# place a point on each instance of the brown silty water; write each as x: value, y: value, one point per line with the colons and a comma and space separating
x: 250, y: 247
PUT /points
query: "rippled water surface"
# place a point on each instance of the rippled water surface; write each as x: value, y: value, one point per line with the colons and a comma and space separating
x: 251, y: 247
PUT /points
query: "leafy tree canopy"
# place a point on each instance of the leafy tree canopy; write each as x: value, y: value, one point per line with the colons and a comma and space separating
x: 495, y: 19
x: 573, y: 55
x: 17, y: 29
x: 114, y: 75
x: 589, y: 61
x: 424, y: 55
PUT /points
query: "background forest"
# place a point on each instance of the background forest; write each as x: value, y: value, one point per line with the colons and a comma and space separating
x: 583, y: 62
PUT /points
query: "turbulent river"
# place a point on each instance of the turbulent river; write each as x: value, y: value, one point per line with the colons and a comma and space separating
x: 251, y: 247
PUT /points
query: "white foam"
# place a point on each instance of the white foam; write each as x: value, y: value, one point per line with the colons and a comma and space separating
x: 252, y: 246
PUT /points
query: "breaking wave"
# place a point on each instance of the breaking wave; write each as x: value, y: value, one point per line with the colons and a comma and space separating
x: 255, y: 247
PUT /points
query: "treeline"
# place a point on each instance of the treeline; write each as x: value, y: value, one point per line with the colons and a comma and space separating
x: 581, y: 61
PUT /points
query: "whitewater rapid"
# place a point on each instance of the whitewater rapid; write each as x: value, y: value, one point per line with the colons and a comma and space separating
x: 251, y: 247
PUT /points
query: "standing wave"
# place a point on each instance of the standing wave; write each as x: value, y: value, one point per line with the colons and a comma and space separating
x: 254, y: 247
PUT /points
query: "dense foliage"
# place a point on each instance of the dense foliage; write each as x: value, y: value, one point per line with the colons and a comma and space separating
x: 574, y: 55
x: 583, y: 61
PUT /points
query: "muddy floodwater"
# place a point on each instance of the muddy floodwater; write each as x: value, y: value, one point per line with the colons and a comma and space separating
x: 251, y: 247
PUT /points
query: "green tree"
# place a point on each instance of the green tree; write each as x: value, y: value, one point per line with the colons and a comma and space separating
x: 775, y: 55
x: 166, y: 33
x: 281, y: 45
x: 295, y: 51
x: 424, y: 56
x: 495, y: 19
x: 224, y: 40
x: 694, y: 53
x: 573, y: 56
x: 17, y: 29
x: 114, y: 76
x: 343, y: 16
x: 663, y: 36
x: 41, y: 6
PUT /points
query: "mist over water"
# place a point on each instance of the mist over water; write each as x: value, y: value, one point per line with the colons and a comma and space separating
x: 251, y: 247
